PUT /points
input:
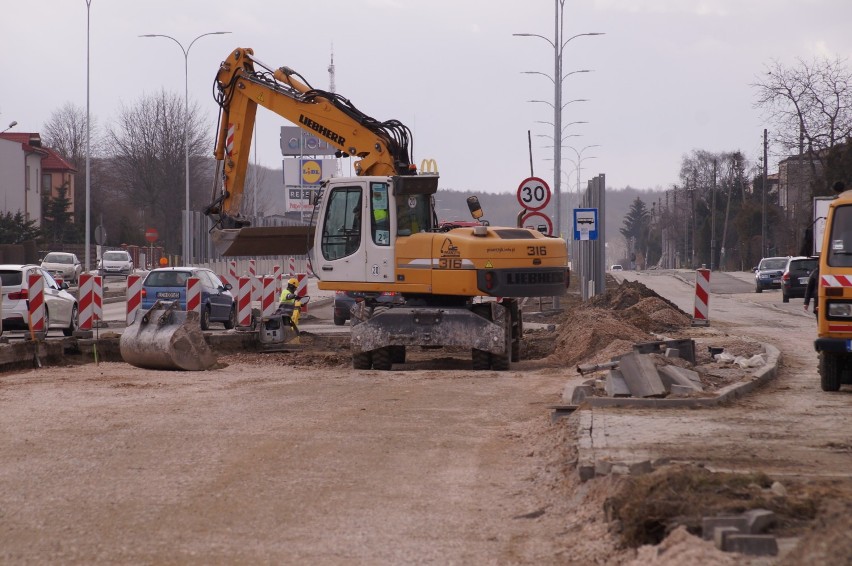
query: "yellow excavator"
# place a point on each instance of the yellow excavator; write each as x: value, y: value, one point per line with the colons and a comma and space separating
x: 378, y: 232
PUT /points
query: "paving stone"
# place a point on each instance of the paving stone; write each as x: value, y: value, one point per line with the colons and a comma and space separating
x: 753, y: 545
x: 721, y: 533
x: 640, y: 468
x: 674, y: 375
x: 682, y: 390
x: 759, y: 520
x: 603, y: 467
x: 580, y: 393
x: 710, y: 524
x: 641, y: 375
x: 615, y: 385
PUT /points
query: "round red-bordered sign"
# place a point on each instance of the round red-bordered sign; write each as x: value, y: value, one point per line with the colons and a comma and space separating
x: 151, y: 235
x: 533, y: 193
x: 531, y: 215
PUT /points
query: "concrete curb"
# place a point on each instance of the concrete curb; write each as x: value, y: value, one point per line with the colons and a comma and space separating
x: 591, y: 461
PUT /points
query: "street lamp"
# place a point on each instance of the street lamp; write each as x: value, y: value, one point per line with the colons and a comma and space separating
x: 12, y: 124
x: 187, y: 248
x: 558, y: 46
x: 88, y: 149
x: 580, y: 161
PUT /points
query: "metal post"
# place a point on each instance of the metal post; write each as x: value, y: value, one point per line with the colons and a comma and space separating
x: 88, y: 148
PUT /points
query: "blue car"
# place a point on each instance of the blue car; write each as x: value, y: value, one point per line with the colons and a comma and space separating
x: 169, y: 284
x: 767, y: 275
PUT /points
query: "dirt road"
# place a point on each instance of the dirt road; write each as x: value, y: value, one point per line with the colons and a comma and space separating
x: 288, y: 459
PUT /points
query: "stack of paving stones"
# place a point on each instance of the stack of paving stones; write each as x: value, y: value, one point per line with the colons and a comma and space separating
x: 742, y: 533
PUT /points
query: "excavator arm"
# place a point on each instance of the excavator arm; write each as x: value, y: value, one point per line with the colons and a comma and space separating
x: 243, y: 83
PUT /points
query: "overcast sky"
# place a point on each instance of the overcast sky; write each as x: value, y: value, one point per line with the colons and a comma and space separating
x: 669, y: 76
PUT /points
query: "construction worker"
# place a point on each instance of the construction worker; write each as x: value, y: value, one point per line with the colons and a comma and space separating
x: 289, y: 298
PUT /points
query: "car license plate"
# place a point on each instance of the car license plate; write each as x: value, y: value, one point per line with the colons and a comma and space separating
x: 803, y: 280
x: 168, y: 295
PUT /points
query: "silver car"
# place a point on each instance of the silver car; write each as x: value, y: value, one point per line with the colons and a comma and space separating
x: 63, y: 265
x: 115, y: 262
x: 61, y: 310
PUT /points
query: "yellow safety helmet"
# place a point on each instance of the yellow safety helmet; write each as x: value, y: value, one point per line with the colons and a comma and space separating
x: 293, y: 282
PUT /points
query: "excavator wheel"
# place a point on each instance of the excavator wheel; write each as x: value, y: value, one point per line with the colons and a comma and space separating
x: 397, y: 354
x: 382, y: 359
x: 362, y: 360
x: 481, y: 359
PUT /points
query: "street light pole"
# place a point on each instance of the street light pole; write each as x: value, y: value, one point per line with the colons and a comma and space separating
x: 88, y: 149
x: 187, y: 247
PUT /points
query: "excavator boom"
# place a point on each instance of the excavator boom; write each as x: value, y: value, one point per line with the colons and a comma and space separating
x: 243, y: 83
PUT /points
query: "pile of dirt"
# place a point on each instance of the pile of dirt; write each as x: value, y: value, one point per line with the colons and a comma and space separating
x: 660, y: 514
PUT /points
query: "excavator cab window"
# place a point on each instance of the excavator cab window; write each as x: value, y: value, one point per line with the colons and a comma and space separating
x: 413, y: 214
x: 341, y: 233
x: 379, y: 206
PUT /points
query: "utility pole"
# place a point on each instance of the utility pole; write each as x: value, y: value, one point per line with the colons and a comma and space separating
x: 763, y: 247
x: 713, y: 222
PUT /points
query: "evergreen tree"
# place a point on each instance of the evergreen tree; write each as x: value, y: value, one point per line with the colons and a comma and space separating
x: 57, y: 220
x: 14, y: 229
x: 636, y: 227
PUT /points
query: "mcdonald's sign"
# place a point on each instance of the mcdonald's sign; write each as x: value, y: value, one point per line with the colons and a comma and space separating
x: 429, y: 166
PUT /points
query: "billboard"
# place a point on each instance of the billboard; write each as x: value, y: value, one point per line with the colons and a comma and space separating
x: 302, y: 177
x: 295, y: 141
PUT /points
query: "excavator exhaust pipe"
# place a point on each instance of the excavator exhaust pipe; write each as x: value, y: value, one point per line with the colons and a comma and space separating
x: 166, y: 338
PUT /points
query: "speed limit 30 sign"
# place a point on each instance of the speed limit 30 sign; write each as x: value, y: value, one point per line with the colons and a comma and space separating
x: 533, y: 193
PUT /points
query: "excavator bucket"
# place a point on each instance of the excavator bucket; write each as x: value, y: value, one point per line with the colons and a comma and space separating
x: 165, y: 337
x: 263, y: 240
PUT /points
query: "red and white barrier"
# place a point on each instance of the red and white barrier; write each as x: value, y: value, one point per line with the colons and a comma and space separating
x: 85, y: 299
x: 193, y: 295
x: 98, y: 297
x: 232, y: 270
x: 255, y: 282
x: 268, y: 300
x: 276, y: 274
x: 302, y: 289
x: 702, y: 297
x: 134, y: 296
x: 244, y: 302
x: 310, y: 269
x: 35, y: 302
x: 292, y: 266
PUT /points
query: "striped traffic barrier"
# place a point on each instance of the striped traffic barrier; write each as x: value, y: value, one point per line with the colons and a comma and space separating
x: 98, y: 299
x: 255, y: 282
x: 276, y: 274
x: 134, y: 296
x: 702, y: 297
x: 85, y: 299
x: 35, y: 302
x: 193, y: 294
x: 302, y: 289
x: 244, y: 302
x: 292, y: 266
x: 268, y: 302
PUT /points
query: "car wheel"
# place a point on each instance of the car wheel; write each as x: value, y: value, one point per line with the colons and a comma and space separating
x: 205, y: 318
x: 339, y: 320
x: 232, y: 318
x: 46, y: 321
x: 72, y: 326
x: 830, y: 368
x: 758, y: 290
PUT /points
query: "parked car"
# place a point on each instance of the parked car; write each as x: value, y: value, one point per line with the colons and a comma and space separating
x: 63, y: 265
x: 616, y: 267
x: 169, y: 284
x: 343, y: 301
x: 115, y: 262
x: 61, y: 310
x: 794, y: 280
x: 767, y: 274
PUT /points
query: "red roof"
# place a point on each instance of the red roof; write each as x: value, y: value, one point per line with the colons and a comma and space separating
x: 51, y: 161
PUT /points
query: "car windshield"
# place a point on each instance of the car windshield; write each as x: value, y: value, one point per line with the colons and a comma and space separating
x: 774, y: 263
x: 58, y: 258
x: 167, y: 279
x: 115, y: 256
x: 806, y: 265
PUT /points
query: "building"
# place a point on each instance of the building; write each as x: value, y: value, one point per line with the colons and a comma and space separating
x: 27, y: 171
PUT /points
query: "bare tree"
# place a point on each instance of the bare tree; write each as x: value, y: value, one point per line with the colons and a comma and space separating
x: 65, y: 132
x: 148, y: 146
x: 809, y: 104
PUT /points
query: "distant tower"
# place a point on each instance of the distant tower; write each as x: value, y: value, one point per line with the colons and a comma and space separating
x: 331, y: 71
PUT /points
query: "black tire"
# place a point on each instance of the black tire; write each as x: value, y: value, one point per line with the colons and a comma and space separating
x: 72, y: 326
x: 785, y: 298
x: 397, y: 354
x: 830, y: 368
x: 205, y: 318
x: 46, y: 322
x: 362, y: 360
x: 758, y: 290
x: 339, y: 320
x: 232, y: 318
x: 382, y: 359
x: 500, y: 363
x: 481, y: 359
